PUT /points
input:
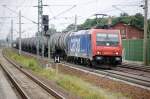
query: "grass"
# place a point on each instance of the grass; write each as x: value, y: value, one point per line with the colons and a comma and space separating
x: 70, y: 83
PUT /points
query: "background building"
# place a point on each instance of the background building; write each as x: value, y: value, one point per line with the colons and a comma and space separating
x: 129, y: 31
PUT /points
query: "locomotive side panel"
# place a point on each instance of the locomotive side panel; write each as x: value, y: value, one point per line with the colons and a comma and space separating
x: 79, y: 45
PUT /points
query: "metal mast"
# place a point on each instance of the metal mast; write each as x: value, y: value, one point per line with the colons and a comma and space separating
x: 75, y: 28
x: 19, y: 32
x: 145, y: 43
x: 11, y: 36
x: 40, y: 28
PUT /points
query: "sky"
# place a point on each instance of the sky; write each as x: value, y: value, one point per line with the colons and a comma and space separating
x: 61, y: 13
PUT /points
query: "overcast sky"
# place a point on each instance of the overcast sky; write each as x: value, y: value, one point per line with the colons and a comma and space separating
x: 61, y: 12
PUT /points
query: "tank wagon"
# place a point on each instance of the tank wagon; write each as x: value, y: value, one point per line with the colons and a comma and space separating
x: 30, y: 44
x: 91, y: 47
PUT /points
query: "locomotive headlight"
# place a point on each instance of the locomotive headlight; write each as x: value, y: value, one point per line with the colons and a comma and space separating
x: 117, y: 53
x: 98, y: 52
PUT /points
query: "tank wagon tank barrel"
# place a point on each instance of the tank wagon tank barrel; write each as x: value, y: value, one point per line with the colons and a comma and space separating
x: 58, y: 43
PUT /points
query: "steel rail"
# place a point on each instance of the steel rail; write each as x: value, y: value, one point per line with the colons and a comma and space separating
x: 135, y: 66
x: 22, y: 93
x: 121, y: 76
x: 40, y: 83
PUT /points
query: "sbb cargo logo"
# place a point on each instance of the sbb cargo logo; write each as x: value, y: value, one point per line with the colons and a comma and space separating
x: 75, y: 45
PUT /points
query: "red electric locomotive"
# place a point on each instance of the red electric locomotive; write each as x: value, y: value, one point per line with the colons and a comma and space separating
x: 95, y: 47
x: 106, y: 46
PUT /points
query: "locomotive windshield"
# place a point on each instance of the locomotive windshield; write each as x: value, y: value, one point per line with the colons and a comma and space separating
x: 107, y: 39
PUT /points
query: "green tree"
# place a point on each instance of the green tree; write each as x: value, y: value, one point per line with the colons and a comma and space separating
x: 124, y: 14
x: 70, y: 27
x: 138, y: 20
x: 124, y: 19
x: 89, y: 23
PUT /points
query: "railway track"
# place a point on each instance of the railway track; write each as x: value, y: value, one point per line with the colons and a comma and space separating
x: 15, y: 83
x: 28, y: 86
x: 140, y: 80
x: 135, y: 79
x: 124, y: 76
x: 135, y: 66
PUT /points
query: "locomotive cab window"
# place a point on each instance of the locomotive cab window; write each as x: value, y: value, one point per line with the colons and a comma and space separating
x: 107, y: 39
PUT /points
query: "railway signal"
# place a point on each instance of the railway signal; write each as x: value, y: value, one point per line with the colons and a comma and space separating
x: 45, y: 22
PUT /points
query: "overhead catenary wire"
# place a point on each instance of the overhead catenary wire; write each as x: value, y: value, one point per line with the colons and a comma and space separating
x: 17, y: 8
x: 21, y: 15
x: 80, y: 3
x: 21, y: 4
x: 3, y: 21
x: 63, y: 12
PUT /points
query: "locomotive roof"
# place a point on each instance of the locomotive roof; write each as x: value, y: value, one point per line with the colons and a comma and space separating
x: 81, y: 32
